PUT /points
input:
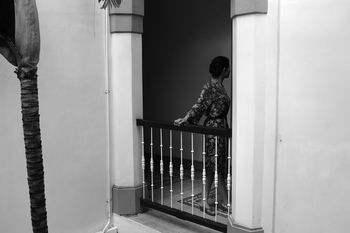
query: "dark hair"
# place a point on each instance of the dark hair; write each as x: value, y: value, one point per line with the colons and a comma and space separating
x: 217, y: 65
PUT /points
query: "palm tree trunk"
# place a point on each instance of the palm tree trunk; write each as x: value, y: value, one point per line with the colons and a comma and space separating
x: 33, y: 148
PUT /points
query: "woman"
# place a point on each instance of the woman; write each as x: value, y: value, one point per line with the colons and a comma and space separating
x: 214, y: 103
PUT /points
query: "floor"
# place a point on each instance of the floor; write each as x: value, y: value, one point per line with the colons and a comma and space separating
x: 157, y: 222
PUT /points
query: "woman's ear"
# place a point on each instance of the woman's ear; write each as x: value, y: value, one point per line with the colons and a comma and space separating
x: 224, y: 70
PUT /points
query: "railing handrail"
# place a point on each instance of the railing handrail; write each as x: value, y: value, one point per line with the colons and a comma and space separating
x: 185, y: 128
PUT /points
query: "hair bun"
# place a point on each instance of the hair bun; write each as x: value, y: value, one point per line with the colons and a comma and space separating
x: 217, y: 65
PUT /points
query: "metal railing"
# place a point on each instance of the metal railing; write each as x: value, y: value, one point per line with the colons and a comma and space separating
x: 172, y: 165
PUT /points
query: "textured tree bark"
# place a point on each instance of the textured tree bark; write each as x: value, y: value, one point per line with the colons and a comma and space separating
x: 33, y: 148
x: 20, y: 45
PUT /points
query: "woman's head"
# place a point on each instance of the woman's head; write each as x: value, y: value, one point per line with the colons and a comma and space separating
x: 219, y: 65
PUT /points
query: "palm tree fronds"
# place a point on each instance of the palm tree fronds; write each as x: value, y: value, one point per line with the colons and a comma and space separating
x: 110, y: 3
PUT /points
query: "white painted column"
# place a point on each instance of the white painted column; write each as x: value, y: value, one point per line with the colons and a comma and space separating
x: 125, y: 107
x: 248, y: 71
x: 249, y: 145
x: 125, y: 104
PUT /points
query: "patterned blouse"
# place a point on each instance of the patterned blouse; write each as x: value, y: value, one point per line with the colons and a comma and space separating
x: 214, y: 103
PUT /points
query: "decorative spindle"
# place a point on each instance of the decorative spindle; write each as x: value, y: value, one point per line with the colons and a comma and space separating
x: 161, y: 167
x: 181, y: 171
x: 229, y: 177
x: 171, y: 168
x: 152, y: 164
x: 192, y: 171
x: 143, y: 163
x: 204, y: 178
x: 216, y: 178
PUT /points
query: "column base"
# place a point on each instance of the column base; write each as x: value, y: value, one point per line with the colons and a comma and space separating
x: 126, y: 200
x: 233, y: 227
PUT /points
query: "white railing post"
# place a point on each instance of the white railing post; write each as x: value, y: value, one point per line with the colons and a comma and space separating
x: 216, y: 178
x: 204, y: 176
x: 229, y: 177
x: 161, y: 167
x: 181, y: 170
x: 192, y: 171
x: 152, y: 165
x: 143, y: 163
x: 171, y: 168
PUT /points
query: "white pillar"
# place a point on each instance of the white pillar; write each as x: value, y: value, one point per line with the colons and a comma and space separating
x: 125, y: 107
x: 248, y: 123
x: 125, y: 104
x: 249, y: 126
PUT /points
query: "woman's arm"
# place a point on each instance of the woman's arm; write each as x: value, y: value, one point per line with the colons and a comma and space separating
x: 198, y: 109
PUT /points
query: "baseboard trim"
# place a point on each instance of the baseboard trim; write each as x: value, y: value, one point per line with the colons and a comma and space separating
x: 233, y: 227
x: 126, y: 200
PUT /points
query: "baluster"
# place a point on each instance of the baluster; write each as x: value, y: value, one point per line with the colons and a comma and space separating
x: 204, y: 175
x: 161, y: 167
x: 192, y: 172
x: 229, y: 177
x: 152, y: 163
x: 143, y: 163
x: 181, y: 171
x: 216, y: 178
x: 171, y: 168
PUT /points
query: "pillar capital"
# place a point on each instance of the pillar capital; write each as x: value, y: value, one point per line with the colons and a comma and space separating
x: 128, y: 17
x: 245, y: 7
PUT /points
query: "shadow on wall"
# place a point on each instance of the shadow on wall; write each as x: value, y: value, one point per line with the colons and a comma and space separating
x: 179, y: 42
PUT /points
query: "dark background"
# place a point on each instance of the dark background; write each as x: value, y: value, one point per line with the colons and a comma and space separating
x: 7, y: 19
x: 180, y: 39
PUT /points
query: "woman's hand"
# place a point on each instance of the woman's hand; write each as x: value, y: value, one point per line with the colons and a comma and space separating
x: 180, y: 121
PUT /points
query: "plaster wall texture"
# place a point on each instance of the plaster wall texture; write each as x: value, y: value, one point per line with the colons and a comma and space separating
x: 313, y: 186
x: 73, y: 123
x: 301, y: 88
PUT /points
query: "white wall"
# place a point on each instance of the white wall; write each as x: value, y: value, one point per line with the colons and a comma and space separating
x: 300, y: 56
x: 313, y: 185
x: 73, y: 123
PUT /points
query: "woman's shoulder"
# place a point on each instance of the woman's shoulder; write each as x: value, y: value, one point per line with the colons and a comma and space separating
x: 206, y: 90
x: 207, y: 85
x: 212, y: 87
